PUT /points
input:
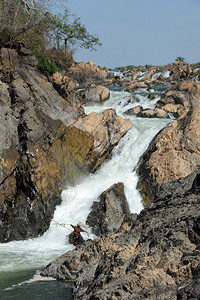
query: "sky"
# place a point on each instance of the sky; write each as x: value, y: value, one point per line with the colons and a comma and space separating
x: 139, y: 32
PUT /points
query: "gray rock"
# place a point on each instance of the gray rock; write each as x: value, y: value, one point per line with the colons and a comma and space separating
x: 107, y: 214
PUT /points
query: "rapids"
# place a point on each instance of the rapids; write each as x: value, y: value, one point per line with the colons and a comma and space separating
x: 27, y: 256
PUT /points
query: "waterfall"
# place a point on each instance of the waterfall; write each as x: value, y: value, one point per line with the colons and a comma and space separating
x: 77, y: 200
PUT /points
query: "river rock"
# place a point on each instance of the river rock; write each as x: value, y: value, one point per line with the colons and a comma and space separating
x: 134, y: 111
x: 150, y: 257
x: 180, y: 97
x: 94, y: 95
x: 87, y: 73
x: 153, y: 113
x: 107, y: 214
x: 147, y: 113
x: 136, y: 85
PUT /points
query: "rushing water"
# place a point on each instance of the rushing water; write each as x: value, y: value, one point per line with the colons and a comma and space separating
x: 20, y: 260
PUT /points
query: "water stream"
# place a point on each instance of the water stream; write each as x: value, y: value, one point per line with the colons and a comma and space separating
x: 19, y: 260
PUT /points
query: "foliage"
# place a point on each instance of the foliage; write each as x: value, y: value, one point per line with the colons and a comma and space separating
x: 148, y: 66
x: 30, y: 22
x: 59, y: 58
x: 127, y: 68
x: 17, y: 17
x: 73, y: 33
x: 180, y: 58
x: 46, y: 66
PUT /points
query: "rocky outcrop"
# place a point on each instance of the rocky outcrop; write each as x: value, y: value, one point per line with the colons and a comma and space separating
x: 106, y: 129
x: 174, y: 153
x: 147, y: 113
x: 64, y: 85
x: 135, y: 77
x: 46, y: 143
x: 107, y: 215
x: 87, y: 73
x: 180, y: 97
x: 94, y: 95
x: 154, y: 255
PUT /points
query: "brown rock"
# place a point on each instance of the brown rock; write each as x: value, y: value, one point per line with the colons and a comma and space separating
x: 153, y: 113
x: 106, y: 129
x: 172, y: 155
x: 136, y: 85
x: 134, y: 111
x: 185, y: 95
x: 94, y: 95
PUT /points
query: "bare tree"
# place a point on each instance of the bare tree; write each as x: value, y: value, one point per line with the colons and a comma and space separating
x: 19, y: 16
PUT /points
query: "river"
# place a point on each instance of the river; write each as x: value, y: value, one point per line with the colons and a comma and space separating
x: 20, y: 260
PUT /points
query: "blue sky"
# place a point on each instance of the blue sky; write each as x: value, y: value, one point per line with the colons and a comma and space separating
x: 140, y: 32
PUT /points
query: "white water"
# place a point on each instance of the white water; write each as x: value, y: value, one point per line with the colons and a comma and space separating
x: 75, y: 207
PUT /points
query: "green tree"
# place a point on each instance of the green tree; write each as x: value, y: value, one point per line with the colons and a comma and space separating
x: 180, y: 58
x: 73, y: 33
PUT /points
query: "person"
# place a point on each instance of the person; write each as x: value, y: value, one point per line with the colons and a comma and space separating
x: 77, y: 234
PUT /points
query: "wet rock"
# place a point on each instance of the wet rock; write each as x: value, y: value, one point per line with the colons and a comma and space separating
x: 94, y: 96
x: 153, y: 113
x: 147, y: 113
x: 136, y: 85
x: 134, y: 111
x: 107, y: 215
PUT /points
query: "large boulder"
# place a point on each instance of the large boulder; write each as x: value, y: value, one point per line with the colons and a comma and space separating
x: 94, y: 95
x: 64, y: 85
x: 106, y: 129
x: 87, y: 73
x: 107, y: 215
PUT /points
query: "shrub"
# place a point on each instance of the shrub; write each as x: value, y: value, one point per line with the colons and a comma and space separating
x: 46, y: 66
x: 180, y: 58
x: 60, y: 59
x: 148, y: 66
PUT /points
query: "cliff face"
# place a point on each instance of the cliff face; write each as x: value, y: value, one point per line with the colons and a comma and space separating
x: 44, y: 145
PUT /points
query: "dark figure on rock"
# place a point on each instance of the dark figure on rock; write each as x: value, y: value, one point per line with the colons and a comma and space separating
x: 77, y: 234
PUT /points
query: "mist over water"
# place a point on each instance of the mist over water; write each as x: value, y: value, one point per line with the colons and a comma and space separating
x: 35, y: 253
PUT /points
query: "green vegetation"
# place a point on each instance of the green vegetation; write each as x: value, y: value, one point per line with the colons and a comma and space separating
x: 46, y: 66
x: 180, y: 59
x: 127, y: 68
x: 148, y: 66
x: 30, y: 21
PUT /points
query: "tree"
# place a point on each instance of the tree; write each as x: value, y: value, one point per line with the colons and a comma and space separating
x: 73, y: 33
x: 18, y: 17
x: 180, y: 58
